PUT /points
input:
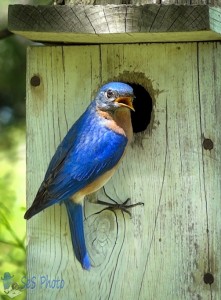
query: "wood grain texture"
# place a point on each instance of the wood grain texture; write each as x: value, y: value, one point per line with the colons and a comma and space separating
x: 209, y: 58
x: 139, y: 2
x: 130, y: 23
x: 215, y: 18
x: 169, y: 244
x: 192, y: 2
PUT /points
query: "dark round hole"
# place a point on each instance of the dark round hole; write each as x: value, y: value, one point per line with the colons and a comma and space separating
x: 207, y: 144
x: 143, y: 106
x: 35, y: 80
x: 208, y: 278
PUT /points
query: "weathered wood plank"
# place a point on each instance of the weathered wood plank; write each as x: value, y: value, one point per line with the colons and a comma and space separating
x: 215, y: 18
x: 139, y: 2
x: 210, y: 106
x: 170, y: 243
x: 192, y: 2
x: 65, y: 90
x: 167, y: 169
x: 115, y: 23
x: 89, y: 18
x: 116, y: 38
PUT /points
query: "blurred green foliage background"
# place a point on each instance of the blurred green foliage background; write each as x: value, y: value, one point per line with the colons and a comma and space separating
x: 12, y: 151
x: 12, y: 155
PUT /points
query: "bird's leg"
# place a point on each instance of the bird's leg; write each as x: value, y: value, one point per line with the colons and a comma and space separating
x: 122, y: 206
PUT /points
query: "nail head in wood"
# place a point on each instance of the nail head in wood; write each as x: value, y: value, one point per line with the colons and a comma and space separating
x: 208, y: 278
x: 208, y: 144
x: 35, y: 80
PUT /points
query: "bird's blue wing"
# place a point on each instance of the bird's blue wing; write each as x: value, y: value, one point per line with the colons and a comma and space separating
x: 89, y: 160
x: 87, y: 151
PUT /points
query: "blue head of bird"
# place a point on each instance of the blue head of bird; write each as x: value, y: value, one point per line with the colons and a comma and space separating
x: 115, y: 95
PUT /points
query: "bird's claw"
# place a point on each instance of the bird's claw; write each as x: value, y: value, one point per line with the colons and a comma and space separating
x: 121, y: 206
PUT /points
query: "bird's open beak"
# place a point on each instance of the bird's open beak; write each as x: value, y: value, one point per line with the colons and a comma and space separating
x: 126, y: 101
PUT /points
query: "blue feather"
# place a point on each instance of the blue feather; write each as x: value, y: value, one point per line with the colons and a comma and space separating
x: 75, y: 215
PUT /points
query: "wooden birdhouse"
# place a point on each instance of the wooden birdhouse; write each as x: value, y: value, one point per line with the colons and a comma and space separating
x: 170, y: 52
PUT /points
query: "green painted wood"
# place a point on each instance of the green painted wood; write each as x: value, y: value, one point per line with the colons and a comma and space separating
x: 166, y: 248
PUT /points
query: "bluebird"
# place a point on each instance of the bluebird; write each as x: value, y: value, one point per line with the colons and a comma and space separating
x: 87, y: 158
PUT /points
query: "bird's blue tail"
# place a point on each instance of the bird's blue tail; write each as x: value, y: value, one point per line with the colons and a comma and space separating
x: 75, y: 214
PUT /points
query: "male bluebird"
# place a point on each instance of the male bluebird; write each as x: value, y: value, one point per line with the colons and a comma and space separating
x: 87, y: 158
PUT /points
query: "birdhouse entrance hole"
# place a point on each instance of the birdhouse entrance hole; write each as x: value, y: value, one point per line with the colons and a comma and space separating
x: 143, y: 106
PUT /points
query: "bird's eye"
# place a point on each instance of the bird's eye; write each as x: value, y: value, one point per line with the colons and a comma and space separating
x: 110, y: 93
